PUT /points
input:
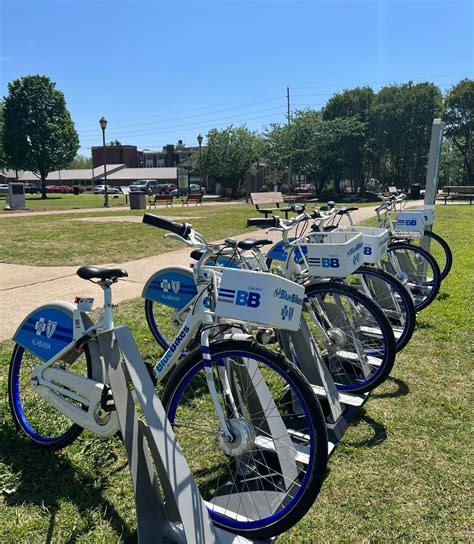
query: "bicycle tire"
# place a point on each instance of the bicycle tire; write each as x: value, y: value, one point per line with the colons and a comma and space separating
x: 392, y: 297
x: 256, y: 481
x: 447, y: 263
x: 424, y: 291
x: 35, y: 415
x: 353, y: 335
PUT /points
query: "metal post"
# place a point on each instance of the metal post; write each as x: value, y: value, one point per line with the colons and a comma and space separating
x: 103, y: 125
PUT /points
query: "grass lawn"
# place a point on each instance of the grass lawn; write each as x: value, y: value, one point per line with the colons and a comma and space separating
x: 403, y: 472
x: 69, y: 239
x: 57, y: 201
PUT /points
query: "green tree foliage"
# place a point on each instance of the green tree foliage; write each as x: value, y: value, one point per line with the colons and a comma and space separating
x: 459, y: 119
x: 114, y: 143
x: 228, y: 155
x: 3, y: 162
x: 81, y: 162
x: 321, y: 150
x: 39, y: 134
x: 400, y: 124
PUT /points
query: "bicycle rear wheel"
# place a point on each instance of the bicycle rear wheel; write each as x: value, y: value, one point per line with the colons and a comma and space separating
x: 35, y: 416
x: 263, y: 481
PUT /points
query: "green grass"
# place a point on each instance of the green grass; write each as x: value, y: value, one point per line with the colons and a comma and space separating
x: 402, y: 473
x: 70, y: 239
x: 57, y: 201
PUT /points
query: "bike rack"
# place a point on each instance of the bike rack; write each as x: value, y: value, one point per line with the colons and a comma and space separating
x: 168, y: 504
x: 341, y: 409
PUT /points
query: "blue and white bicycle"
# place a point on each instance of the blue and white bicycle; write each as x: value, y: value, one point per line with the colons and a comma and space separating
x: 247, y: 420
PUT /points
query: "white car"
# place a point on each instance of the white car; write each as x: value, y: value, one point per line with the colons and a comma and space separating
x: 100, y: 190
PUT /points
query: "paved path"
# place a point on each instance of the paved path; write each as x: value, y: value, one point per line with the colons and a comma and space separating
x: 23, y: 288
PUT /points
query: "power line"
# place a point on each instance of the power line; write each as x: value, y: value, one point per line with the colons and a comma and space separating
x: 117, y: 133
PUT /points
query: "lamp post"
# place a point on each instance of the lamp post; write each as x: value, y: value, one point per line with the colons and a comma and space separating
x: 103, y: 126
x: 199, y: 139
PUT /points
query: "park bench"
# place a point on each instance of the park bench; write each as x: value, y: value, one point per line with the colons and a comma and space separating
x: 192, y: 197
x: 459, y: 192
x: 263, y: 199
x: 165, y: 199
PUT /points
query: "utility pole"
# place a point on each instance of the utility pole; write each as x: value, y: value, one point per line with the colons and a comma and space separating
x: 288, y: 105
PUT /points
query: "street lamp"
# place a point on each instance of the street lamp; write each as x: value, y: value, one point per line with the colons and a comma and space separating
x: 103, y: 126
x: 199, y: 139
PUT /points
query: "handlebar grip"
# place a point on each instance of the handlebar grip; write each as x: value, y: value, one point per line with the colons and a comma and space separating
x: 182, y: 229
x: 266, y: 222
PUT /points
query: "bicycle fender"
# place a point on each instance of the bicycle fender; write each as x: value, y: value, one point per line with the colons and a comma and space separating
x: 47, y: 329
x: 173, y: 286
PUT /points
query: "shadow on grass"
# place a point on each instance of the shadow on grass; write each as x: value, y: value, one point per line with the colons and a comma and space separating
x: 45, y: 479
x: 377, y: 430
x: 396, y: 388
x: 443, y: 296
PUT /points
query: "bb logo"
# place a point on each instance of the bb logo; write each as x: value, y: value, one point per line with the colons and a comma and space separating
x: 325, y: 262
x: 367, y: 250
x: 247, y: 298
x: 251, y: 299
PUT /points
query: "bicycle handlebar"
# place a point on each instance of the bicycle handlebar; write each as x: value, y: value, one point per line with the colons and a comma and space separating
x: 266, y: 222
x: 181, y: 229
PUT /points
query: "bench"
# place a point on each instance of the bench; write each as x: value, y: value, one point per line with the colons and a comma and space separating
x: 259, y: 199
x: 458, y: 192
x: 165, y: 199
x: 192, y: 197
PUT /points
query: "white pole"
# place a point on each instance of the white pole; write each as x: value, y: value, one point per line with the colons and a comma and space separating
x: 431, y: 185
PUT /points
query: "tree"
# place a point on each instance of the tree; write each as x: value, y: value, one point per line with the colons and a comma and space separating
x: 81, y: 162
x: 321, y: 150
x: 39, y: 134
x: 228, y: 155
x: 114, y: 143
x: 400, y: 124
x: 459, y: 119
x: 2, y: 153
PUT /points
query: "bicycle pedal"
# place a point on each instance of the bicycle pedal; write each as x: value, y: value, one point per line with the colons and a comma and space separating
x: 151, y: 371
x: 107, y: 400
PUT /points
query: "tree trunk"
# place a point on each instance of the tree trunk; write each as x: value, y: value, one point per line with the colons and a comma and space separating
x: 43, y: 184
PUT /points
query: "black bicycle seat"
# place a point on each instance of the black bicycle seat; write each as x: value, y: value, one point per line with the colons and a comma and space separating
x: 92, y: 272
x: 250, y: 243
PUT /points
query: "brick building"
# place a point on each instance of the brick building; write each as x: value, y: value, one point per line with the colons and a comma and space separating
x: 118, y: 154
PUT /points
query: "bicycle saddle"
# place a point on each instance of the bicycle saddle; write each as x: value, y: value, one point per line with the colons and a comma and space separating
x: 251, y: 243
x: 92, y: 272
x: 196, y: 254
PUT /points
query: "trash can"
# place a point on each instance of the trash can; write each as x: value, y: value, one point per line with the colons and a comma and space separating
x: 415, y: 191
x: 76, y: 190
x: 137, y: 200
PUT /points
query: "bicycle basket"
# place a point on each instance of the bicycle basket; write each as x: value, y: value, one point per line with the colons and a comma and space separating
x: 261, y: 298
x: 333, y: 254
x: 375, y: 242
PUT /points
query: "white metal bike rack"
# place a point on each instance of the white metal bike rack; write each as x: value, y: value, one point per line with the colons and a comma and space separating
x: 176, y: 513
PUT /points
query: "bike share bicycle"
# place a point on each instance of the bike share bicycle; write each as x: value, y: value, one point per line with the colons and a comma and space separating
x: 250, y: 424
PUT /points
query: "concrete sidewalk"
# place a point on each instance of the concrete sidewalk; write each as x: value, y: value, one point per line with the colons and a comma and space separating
x: 23, y: 288
x: 177, y: 207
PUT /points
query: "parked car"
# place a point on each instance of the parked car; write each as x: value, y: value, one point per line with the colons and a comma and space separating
x: 305, y: 188
x: 4, y: 188
x: 151, y: 186
x: 53, y: 189
x: 100, y: 190
x: 32, y: 189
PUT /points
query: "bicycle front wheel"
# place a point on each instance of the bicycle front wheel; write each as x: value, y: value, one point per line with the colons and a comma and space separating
x: 263, y: 480
x: 352, y: 333
x: 32, y: 414
x: 416, y: 269
x: 392, y: 297
x: 441, y: 251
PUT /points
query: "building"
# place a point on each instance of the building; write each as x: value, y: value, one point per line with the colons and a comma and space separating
x: 117, y: 154
x: 168, y: 157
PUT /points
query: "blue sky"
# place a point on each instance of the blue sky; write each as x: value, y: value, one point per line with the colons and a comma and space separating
x: 162, y: 71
